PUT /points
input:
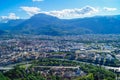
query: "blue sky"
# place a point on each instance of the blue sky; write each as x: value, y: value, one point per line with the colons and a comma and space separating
x: 15, y: 9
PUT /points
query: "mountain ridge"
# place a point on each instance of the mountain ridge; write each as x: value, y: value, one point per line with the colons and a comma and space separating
x: 49, y: 25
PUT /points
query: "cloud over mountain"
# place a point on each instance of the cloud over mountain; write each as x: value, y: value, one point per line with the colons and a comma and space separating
x: 77, y: 12
x: 65, y: 13
x: 30, y: 10
x: 11, y: 16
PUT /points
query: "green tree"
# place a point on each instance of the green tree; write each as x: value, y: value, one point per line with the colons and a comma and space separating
x: 2, y: 77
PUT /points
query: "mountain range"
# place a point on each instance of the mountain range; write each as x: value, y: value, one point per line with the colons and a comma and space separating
x: 49, y: 25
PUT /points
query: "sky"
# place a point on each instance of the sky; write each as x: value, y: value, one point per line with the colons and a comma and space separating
x: 23, y: 9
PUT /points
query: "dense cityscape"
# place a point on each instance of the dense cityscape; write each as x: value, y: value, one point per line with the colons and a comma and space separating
x: 60, y: 55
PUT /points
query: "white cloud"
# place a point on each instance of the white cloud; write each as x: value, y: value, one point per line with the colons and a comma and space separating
x: 109, y: 9
x: 65, y: 13
x: 37, y: 0
x: 77, y: 12
x: 10, y: 16
x: 30, y: 10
